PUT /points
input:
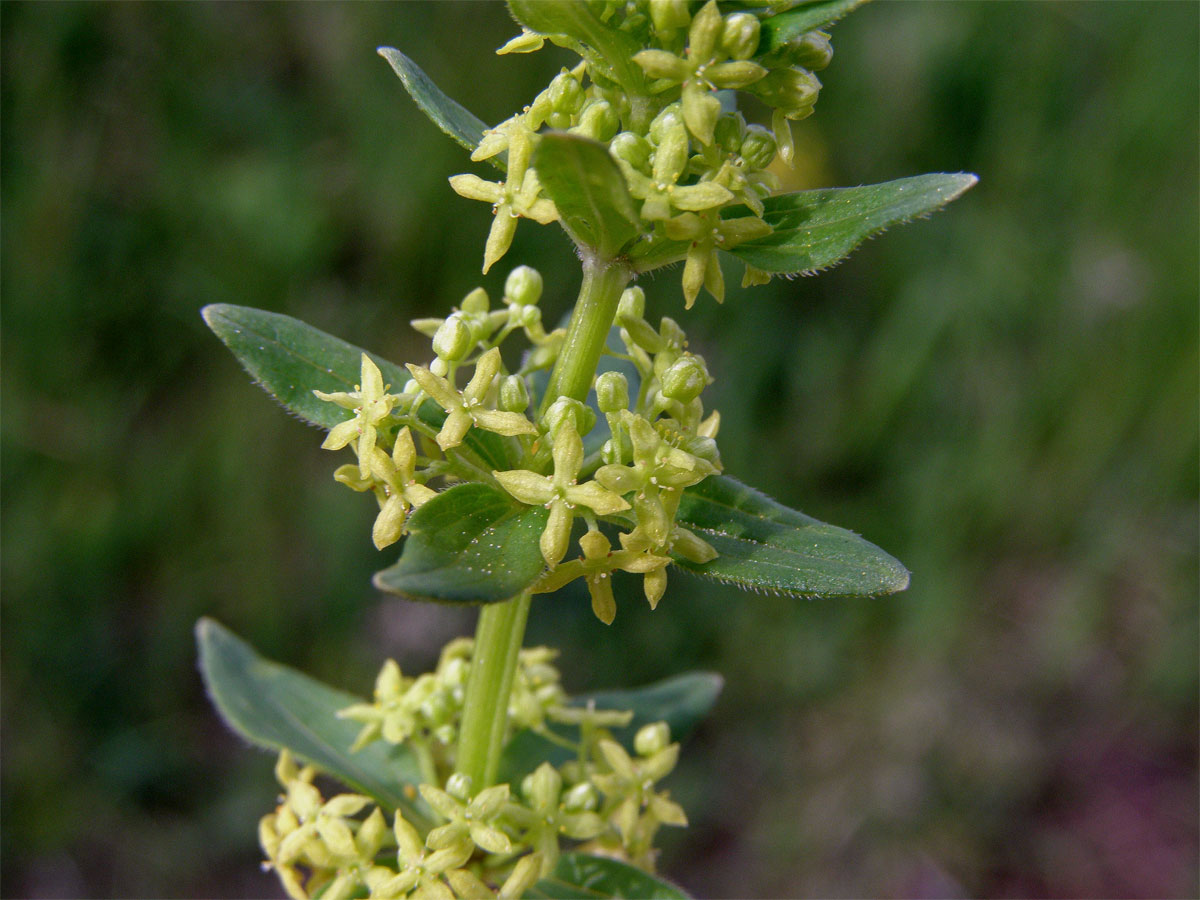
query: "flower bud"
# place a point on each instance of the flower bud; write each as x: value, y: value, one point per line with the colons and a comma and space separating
x: 739, y: 36
x: 632, y: 304
x: 566, y: 93
x: 793, y: 91
x: 730, y: 132
x: 685, y: 379
x: 523, y: 286
x: 650, y: 739
x: 670, y: 119
x: 669, y: 15
x: 633, y: 149
x: 453, y: 340
x: 704, y: 33
x: 458, y: 785
x: 811, y: 51
x: 599, y: 121
x: 581, y: 798
x: 704, y: 448
x: 671, y: 333
x: 661, y: 64
x: 758, y: 147
x: 514, y: 394
x: 568, y: 409
x: 612, y: 392
x: 475, y: 302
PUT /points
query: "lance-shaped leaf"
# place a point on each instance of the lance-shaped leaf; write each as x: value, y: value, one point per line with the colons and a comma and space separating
x: 815, y: 229
x: 447, y: 114
x: 777, y: 30
x: 764, y: 546
x: 274, y: 706
x: 681, y: 701
x: 290, y: 359
x: 588, y: 190
x: 470, y: 544
x: 579, y: 876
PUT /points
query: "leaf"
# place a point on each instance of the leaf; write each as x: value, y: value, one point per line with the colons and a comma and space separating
x: 447, y: 114
x: 589, y: 191
x: 682, y: 702
x: 274, y: 706
x: 290, y: 359
x: 815, y: 229
x: 777, y: 30
x: 764, y: 546
x: 579, y: 876
x: 472, y: 543
x: 607, y: 50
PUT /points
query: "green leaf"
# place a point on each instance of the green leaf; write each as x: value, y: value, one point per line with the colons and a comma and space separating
x: 447, y: 114
x: 608, y: 51
x: 290, y: 359
x: 815, y: 229
x: 682, y: 701
x: 779, y: 29
x: 275, y: 707
x: 589, y: 191
x: 579, y: 876
x: 472, y: 543
x: 764, y: 546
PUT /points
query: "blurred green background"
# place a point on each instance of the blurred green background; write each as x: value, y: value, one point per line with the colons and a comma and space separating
x: 1004, y: 396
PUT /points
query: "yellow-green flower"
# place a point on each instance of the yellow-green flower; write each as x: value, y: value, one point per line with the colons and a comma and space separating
x: 596, y: 566
x: 707, y: 232
x: 560, y: 493
x: 371, y: 404
x: 465, y: 408
x: 516, y: 197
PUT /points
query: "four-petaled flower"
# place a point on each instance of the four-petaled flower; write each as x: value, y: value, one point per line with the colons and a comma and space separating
x: 707, y: 232
x: 596, y: 566
x: 516, y: 197
x: 466, y: 408
x: 560, y: 493
x: 371, y: 404
x: 394, y: 481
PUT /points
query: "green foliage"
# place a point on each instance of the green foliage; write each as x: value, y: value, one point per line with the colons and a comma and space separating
x: 470, y: 544
x: 581, y: 877
x: 816, y: 229
x: 585, y: 184
x: 278, y: 708
x: 764, y: 546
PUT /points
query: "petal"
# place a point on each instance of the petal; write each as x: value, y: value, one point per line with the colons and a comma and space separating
x: 457, y: 424
x: 389, y: 524
x: 341, y: 398
x: 554, y: 539
x: 705, y: 195
x: 486, y: 369
x: 603, y: 604
x: 714, y: 279
x: 655, y: 585
x: 372, y: 379
x: 595, y: 545
x: 568, y: 453
x: 558, y: 577
x: 475, y: 188
x: 621, y: 479
x: 490, y: 839
x: 507, y: 423
x: 418, y: 494
x: 694, y: 271
x: 404, y: 454
x: 341, y: 435
x: 528, y: 487
x: 500, y: 235
x: 442, y: 392
x: 599, y: 499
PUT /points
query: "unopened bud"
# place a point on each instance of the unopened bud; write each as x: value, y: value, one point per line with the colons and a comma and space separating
x: 811, y: 50
x: 458, y: 785
x: 566, y: 93
x: 599, y: 121
x: 650, y: 739
x: 686, y: 379
x: 793, y: 91
x: 758, y: 147
x: 514, y: 394
x: 453, y: 340
x: 730, y: 132
x: 633, y: 149
x: 568, y: 409
x: 581, y: 798
x: 739, y: 36
x: 632, y: 303
x: 475, y: 302
x: 523, y: 285
x: 612, y: 392
x: 669, y: 15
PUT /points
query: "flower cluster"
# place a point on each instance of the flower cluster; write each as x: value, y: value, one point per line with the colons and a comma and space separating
x: 492, y: 843
x: 670, y: 122
x: 651, y: 440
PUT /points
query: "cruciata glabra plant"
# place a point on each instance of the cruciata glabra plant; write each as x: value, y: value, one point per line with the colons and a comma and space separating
x: 594, y: 454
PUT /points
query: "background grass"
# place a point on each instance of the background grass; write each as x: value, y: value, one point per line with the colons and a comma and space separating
x: 1005, y: 397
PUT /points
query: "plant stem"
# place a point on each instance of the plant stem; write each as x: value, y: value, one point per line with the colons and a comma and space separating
x: 603, y: 282
x: 498, y: 637
x: 501, y: 627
